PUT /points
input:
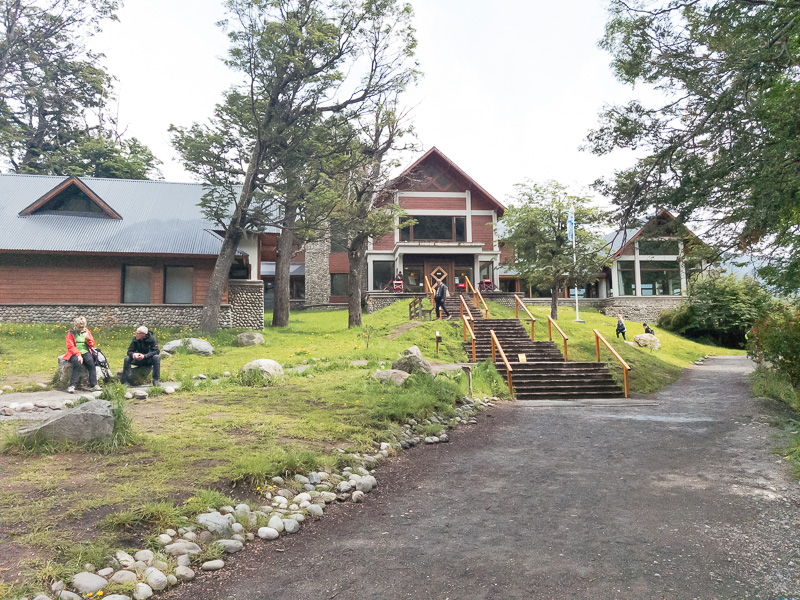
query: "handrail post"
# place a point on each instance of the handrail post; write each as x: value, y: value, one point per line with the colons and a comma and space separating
x: 494, y: 358
x: 516, y: 310
x: 625, y: 372
x: 565, y: 350
x: 550, y: 329
x: 474, y: 356
x: 597, y: 346
x: 533, y: 325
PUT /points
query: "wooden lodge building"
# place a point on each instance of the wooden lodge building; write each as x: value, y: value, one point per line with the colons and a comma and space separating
x: 130, y: 252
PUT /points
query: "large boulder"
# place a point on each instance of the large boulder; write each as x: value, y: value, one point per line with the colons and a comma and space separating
x: 412, y: 362
x: 64, y: 372
x: 84, y: 423
x: 250, y: 338
x: 268, y: 367
x: 192, y: 345
x: 394, y: 376
x: 647, y: 340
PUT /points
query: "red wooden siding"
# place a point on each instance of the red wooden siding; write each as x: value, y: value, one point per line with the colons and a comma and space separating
x: 60, y: 279
x: 338, y: 263
x: 385, y: 243
x: 433, y: 203
x: 482, y: 231
x: 481, y: 202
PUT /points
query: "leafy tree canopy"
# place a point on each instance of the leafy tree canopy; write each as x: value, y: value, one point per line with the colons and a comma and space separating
x: 724, y: 146
x: 54, y: 93
x: 536, y: 230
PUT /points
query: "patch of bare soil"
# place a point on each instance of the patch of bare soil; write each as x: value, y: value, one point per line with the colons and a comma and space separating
x: 402, y: 328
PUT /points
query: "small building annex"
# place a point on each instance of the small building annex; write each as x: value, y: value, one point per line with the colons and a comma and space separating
x: 124, y: 252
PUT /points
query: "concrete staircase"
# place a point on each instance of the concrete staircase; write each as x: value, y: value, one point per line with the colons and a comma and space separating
x: 545, y: 375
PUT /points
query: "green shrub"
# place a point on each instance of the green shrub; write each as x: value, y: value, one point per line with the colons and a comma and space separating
x: 719, y: 308
x: 767, y: 383
x: 775, y: 337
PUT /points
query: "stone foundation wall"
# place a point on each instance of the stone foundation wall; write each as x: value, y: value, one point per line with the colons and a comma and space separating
x: 114, y: 315
x: 642, y: 309
x: 378, y: 300
x: 329, y: 306
x: 247, y: 303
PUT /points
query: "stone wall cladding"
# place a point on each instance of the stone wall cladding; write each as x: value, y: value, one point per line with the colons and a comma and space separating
x: 325, y: 307
x: 318, y: 278
x: 377, y: 300
x: 247, y: 303
x: 644, y: 309
x: 120, y: 315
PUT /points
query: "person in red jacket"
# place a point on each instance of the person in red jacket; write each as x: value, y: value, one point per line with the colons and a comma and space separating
x: 79, y: 352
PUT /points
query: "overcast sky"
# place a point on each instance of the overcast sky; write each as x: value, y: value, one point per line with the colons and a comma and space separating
x: 510, y: 87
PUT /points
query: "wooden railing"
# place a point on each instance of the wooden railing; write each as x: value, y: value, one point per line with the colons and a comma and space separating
x: 496, y: 344
x: 429, y: 290
x: 517, y: 303
x: 550, y: 324
x: 474, y: 295
x: 477, y: 298
x: 415, y: 310
x: 625, y: 367
x: 468, y: 328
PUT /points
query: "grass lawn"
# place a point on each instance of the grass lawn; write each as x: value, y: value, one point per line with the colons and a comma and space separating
x: 59, y: 509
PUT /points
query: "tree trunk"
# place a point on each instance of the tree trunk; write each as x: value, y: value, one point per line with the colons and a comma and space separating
x: 280, y: 310
x: 209, y: 319
x: 357, y: 257
x: 554, y: 301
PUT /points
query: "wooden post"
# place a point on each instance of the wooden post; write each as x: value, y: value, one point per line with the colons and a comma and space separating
x: 474, y: 356
x: 597, y: 346
x: 491, y: 331
x: 625, y: 371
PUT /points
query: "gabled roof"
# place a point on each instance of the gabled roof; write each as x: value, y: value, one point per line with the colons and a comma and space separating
x: 620, y: 240
x: 59, y: 190
x: 434, y: 152
x: 153, y: 217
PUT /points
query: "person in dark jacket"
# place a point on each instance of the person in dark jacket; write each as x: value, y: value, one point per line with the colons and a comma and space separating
x: 440, y: 295
x: 648, y: 329
x: 143, y: 351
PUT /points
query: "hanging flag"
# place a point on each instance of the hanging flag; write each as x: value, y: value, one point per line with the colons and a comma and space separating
x: 571, y: 225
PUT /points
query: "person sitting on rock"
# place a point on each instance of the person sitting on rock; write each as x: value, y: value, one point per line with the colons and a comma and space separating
x: 648, y: 329
x: 142, y: 352
x: 79, y: 353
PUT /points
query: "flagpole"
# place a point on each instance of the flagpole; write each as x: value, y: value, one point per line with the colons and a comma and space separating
x: 575, y: 264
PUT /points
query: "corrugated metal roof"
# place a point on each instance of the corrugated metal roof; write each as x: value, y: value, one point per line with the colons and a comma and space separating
x: 619, y: 239
x: 158, y: 217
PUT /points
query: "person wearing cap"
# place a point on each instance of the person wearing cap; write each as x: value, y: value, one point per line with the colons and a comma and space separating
x: 143, y: 351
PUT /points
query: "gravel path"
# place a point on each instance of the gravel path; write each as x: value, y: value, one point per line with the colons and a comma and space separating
x: 678, y: 500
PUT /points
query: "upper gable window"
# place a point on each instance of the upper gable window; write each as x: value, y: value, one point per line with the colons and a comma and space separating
x: 72, y: 200
x: 71, y: 197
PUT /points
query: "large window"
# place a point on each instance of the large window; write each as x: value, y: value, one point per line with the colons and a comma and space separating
x: 435, y: 228
x: 660, y: 278
x: 136, y: 284
x: 658, y: 247
x: 178, y: 285
x: 626, y: 278
x: 487, y: 270
x: 338, y: 284
x: 414, y: 277
x: 382, y: 273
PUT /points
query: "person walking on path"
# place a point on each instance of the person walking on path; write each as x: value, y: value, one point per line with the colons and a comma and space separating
x: 79, y: 353
x: 440, y: 295
x: 621, y: 329
x: 143, y: 351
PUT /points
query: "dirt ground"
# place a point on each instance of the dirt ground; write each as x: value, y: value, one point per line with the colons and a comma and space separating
x: 678, y: 500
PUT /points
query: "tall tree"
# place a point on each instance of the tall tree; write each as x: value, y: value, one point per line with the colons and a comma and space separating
x: 365, y: 210
x: 535, y: 227
x: 54, y: 93
x: 300, y: 60
x: 724, y: 146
